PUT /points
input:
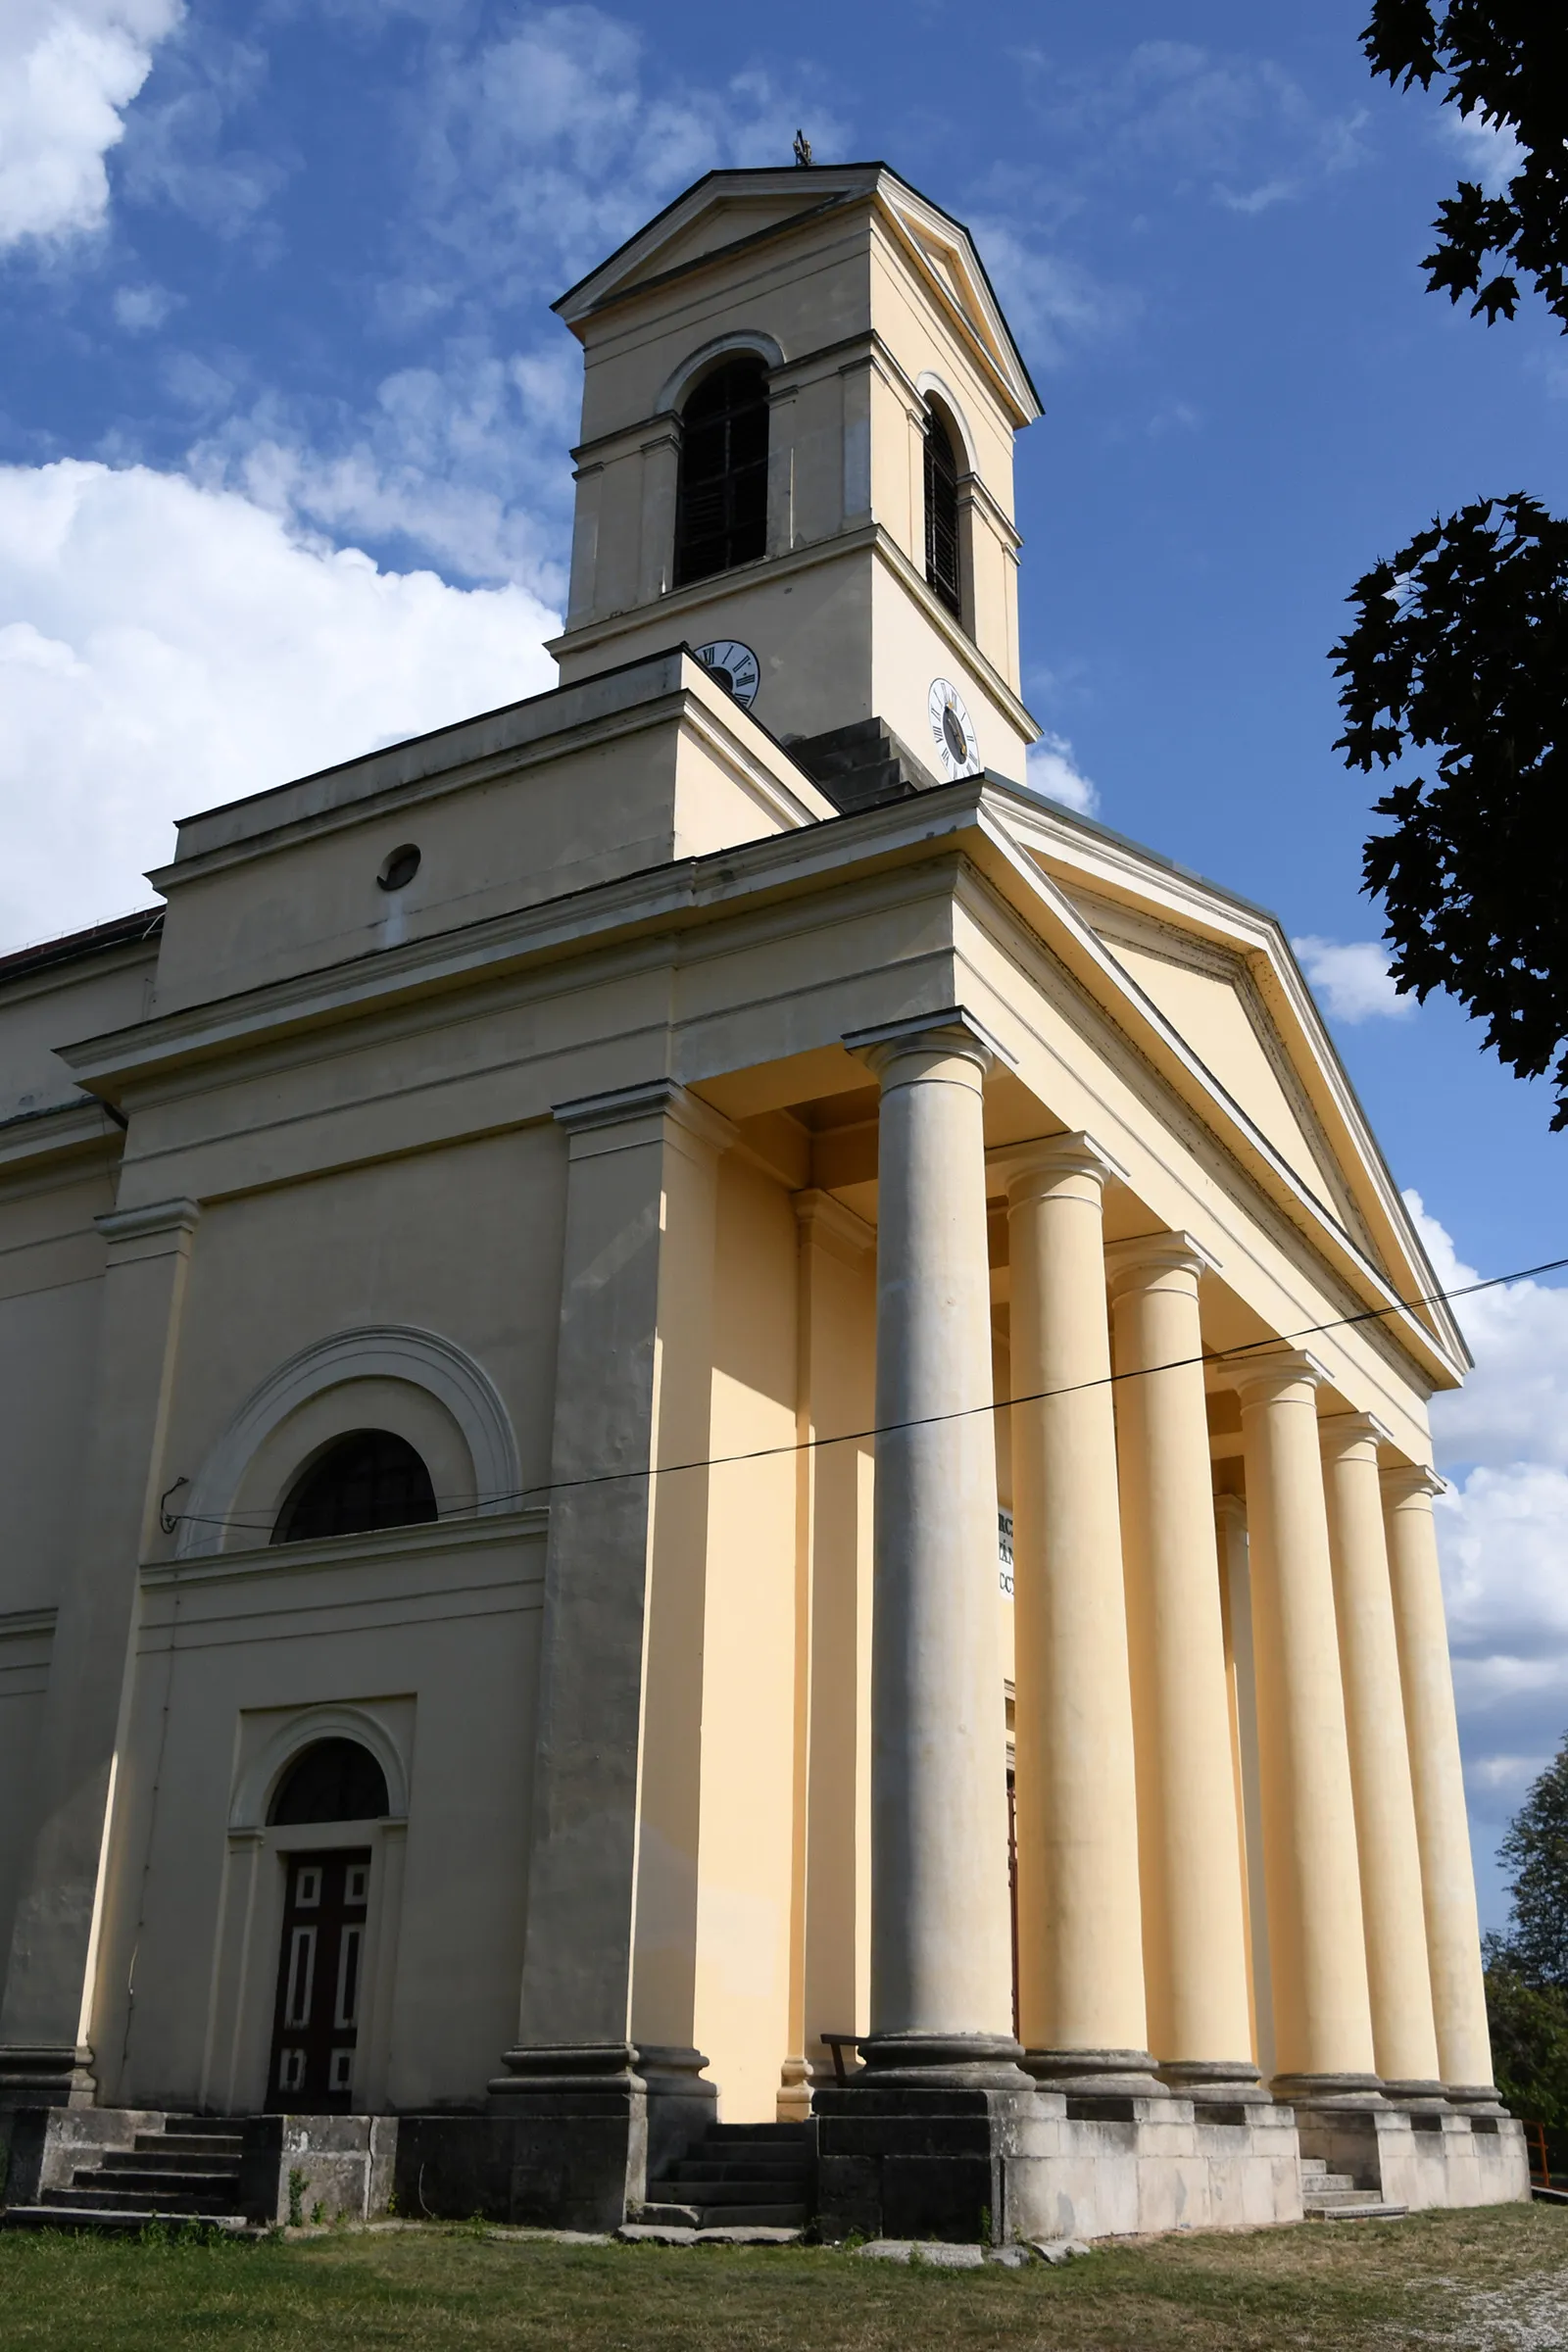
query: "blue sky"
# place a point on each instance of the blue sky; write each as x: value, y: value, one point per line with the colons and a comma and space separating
x: 285, y: 415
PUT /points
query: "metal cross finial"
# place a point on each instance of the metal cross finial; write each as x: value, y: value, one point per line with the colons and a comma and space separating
x: 803, y: 149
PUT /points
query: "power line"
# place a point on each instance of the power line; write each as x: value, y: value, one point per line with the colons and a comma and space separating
x: 1006, y: 1404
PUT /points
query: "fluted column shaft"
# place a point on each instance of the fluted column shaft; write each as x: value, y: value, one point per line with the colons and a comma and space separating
x: 1322, y: 2015
x: 940, y: 1929
x: 1195, y: 1954
x: 1398, y: 1978
x: 1443, y: 1831
x: 1080, y: 1948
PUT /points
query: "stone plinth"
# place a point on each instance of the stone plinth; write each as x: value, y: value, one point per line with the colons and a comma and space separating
x: 1421, y: 2157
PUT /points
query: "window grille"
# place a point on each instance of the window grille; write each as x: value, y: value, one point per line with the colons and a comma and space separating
x: 721, y: 505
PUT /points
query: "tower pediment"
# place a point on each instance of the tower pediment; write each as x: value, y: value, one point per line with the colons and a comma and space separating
x: 727, y: 209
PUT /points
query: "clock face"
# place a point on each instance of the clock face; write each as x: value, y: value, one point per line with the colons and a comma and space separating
x: 951, y: 732
x: 732, y: 666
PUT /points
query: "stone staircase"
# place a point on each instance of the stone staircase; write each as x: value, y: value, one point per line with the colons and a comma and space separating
x: 736, y: 2176
x: 188, y: 2171
x: 1335, y: 2197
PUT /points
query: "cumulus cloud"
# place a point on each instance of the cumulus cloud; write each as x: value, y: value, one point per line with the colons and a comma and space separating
x: 164, y: 645
x: 465, y: 462
x: 69, y: 69
x: 1351, y: 976
x: 1502, y: 1530
x: 1052, y: 772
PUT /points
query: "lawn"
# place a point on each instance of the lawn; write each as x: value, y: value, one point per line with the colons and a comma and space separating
x: 1492, y: 2278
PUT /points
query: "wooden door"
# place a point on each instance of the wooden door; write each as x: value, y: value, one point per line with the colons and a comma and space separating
x: 321, y: 1978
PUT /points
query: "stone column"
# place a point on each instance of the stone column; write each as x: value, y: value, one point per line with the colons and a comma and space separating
x: 1194, y: 1946
x: 606, y: 2007
x: 939, y: 1929
x: 1443, y: 1832
x: 830, y: 1897
x: 1398, y: 1977
x: 45, y: 2053
x: 1080, y: 1938
x: 1317, y: 1944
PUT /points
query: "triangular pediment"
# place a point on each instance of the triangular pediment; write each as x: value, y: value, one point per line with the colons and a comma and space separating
x: 1207, y: 988
x: 728, y: 210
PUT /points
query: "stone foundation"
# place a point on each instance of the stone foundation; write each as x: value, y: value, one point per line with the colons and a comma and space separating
x: 1422, y: 2157
x: 965, y: 2164
x: 346, y: 2161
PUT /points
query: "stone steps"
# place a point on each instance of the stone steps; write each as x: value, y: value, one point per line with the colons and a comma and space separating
x: 190, y: 2173
x: 1335, y: 2196
x: 736, y: 2176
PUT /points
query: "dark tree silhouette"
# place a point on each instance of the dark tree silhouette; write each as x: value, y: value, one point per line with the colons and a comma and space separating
x: 1506, y: 61
x: 1460, y: 641
x: 1461, y: 646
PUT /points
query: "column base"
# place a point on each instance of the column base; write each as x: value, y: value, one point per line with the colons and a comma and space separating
x: 576, y: 2129
x: 1427, y: 2097
x: 35, y: 2074
x: 1474, y: 2098
x: 1215, y: 2081
x: 940, y: 2061
x: 1328, y: 2090
x: 1097, y: 2073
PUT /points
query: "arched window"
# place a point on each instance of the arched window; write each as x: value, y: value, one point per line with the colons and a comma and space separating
x: 942, y: 516
x: 363, y: 1481
x: 721, y: 505
x: 333, y: 1780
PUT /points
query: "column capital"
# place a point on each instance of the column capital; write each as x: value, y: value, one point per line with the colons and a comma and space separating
x: 651, y: 1101
x: 1031, y: 1170
x: 952, y: 1031
x: 1141, y: 1261
x: 1257, y: 1378
x: 159, y: 1229
x: 1339, y: 1432
x: 1403, y: 1481
x: 831, y: 1226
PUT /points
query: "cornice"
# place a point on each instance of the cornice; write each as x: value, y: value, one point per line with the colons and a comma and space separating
x: 385, y: 1547
x: 982, y: 821
x: 62, y: 1129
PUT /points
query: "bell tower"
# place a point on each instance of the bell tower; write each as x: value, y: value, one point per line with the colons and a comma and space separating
x: 799, y: 406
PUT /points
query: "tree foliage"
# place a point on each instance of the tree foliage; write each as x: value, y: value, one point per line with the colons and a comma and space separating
x: 1460, y: 645
x: 1459, y: 640
x: 1528, y: 2028
x: 1505, y: 61
x: 1535, y: 1850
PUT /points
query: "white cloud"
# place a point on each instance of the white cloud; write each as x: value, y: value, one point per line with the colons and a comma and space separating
x: 1052, y: 305
x: 140, y: 309
x: 1352, y: 979
x: 166, y: 646
x: 1503, y: 1528
x: 1051, y: 770
x: 68, y: 70
x: 1241, y: 130
x: 541, y: 150
x: 1490, y: 151
x: 466, y: 462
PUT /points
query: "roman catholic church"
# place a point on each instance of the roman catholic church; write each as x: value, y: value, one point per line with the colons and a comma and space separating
x: 718, y: 1489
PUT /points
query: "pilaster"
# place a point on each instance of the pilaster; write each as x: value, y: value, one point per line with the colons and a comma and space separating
x: 46, y: 2022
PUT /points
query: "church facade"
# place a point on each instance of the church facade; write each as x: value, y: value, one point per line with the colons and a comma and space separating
x: 712, y: 1420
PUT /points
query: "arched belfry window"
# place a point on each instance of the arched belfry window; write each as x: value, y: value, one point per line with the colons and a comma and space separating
x: 365, y: 1481
x: 942, y: 515
x: 332, y: 1780
x: 721, y: 504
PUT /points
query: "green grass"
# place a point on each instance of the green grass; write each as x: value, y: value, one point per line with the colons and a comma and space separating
x: 1444, y: 2279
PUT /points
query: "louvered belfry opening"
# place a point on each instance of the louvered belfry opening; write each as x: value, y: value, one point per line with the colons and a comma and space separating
x: 942, y: 516
x: 721, y: 511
